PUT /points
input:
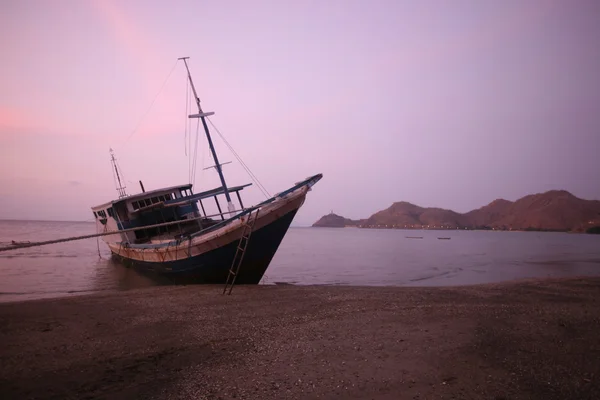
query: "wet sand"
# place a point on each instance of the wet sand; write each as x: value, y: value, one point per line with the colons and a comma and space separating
x: 526, y: 340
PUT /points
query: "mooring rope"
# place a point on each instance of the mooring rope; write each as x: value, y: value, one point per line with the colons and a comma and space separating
x: 16, y: 246
x: 98, y: 242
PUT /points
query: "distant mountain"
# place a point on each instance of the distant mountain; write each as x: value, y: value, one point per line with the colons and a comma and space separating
x: 335, y: 221
x: 555, y: 210
x: 407, y: 215
x: 488, y: 215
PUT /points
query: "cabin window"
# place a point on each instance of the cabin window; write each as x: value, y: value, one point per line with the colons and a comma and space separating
x: 154, y: 200
x: 95, y: 215
x: 161, y: 198
x: 168, y: 196
x: 135, y: 205
x: 102, y: 214
x: 111, y: 212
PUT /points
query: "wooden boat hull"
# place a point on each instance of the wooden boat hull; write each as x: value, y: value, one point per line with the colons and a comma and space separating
x: 213, y: 266
x: 208, y: 258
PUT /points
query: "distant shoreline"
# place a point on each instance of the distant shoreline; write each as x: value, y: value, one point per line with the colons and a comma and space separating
x: 452, y: 229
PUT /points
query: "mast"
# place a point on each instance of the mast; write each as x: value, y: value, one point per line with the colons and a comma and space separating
x: 117, y: 176
x: 202, y: 115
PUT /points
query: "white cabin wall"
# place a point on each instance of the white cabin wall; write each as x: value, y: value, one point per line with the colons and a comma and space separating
x: 111, y: 225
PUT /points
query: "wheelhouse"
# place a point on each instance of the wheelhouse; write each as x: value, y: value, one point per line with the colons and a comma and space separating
x: 176, y: 210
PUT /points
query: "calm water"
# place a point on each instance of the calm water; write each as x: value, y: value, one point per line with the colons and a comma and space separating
x: 309, y: 256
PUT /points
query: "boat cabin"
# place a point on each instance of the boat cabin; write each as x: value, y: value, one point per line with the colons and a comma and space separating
x: 176, y: 210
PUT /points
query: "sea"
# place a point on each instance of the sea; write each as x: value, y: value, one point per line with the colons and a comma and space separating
x: 307, y: 256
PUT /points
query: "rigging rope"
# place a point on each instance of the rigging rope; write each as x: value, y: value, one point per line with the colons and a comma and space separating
x: 202, y: 161
x: 193, y: 152
x: 252, y: 176
x: 120, y: 171
x: 188, y: 127
x: 98, y: 242
x: 193, y: 178
x: 153, y: 101
x: 187, y: 101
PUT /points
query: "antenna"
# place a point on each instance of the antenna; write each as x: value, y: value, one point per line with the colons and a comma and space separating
x: 117, y: 176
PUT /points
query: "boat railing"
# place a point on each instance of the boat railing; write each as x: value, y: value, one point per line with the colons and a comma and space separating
x: 310, y: 181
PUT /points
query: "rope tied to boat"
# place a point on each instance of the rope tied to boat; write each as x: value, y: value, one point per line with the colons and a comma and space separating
x: 22, y: 245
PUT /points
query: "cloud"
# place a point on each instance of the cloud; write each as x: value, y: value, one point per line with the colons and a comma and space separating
x: 18, y: 123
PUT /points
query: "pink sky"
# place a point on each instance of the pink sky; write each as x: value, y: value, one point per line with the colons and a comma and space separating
x: 449, y: 104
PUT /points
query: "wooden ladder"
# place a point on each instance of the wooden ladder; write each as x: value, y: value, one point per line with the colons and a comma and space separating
x: 240, y: 251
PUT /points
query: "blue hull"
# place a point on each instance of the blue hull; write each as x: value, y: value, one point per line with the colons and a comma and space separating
x: 213, y: 266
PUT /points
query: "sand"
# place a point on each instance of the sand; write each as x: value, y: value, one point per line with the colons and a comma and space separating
x: 526, y: 340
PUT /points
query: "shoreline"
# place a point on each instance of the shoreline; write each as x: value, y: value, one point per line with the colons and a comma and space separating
x: 218, y: 288
x: 534, y: 339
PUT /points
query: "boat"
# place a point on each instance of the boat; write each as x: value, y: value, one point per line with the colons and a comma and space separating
x: 167, y: 231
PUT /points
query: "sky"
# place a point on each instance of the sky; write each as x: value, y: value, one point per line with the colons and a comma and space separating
x: 445, y: 104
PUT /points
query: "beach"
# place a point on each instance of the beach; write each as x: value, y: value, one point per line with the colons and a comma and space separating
x: 532, y: 339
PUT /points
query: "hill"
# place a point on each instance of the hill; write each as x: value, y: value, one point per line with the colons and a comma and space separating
x: 487, y: 215
x: 335, y: 221
x: 555, y: 210
x: 407, y: 215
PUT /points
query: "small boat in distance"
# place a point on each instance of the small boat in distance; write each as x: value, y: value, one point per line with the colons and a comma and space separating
x: 168, y: 232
